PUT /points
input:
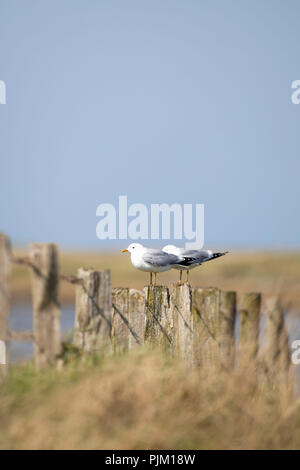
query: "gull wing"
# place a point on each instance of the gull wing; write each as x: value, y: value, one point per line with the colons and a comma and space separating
x: 160, y: 258
x: 198, y: 256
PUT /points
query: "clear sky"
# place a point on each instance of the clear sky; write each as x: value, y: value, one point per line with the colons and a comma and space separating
x: 161, y: 100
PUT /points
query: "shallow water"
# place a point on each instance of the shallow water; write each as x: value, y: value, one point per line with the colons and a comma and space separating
x: 21, y: 319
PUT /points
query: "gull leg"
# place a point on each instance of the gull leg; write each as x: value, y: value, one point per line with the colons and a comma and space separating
x: 155, y: 274
x: 151, y: 279
x: 180, y: 278
x: 187, y: 276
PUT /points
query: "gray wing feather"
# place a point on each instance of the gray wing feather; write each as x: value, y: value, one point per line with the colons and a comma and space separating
x: 159, y: 258
x: 198, y: 256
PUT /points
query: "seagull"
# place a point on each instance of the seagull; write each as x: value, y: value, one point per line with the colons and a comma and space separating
x: 152, y: 260
x: 193, y: 258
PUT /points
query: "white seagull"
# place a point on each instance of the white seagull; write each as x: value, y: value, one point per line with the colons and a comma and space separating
x: 152, y: 260
x: 193, y: 258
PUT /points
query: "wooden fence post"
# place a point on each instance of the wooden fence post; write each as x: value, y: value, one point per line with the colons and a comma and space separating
x: 159, y: 321
x: 5, y: 272
x: 136, y: 318
x: 120, y: 319
x: 45, y: 299
x: 206, y: 318
x: 277, y: 353
x: 93, y: 311
x: 128, y: 318
x: 181, y: 307
x: 227, y: 327
x: 249, y: 325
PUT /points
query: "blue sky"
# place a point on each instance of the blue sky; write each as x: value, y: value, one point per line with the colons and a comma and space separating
x: 161, y: 100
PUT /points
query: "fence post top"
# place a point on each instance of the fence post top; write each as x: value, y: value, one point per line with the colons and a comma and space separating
x: 228, y: 292
x: 93, y: 270
x: 3, y: 236
x: 251, y: 294
x: 272, y: 303
x: 5, y: 240
x: 204, y: 289
x: 42, y: 244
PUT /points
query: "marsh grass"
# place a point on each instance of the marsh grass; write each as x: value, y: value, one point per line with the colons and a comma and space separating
x: 145, y: 400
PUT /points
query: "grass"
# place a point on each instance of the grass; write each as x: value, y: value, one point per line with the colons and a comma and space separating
x: 144, y: 400
x: 266, y: 272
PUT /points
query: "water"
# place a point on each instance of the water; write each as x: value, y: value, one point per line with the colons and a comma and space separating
x: 21, y: 319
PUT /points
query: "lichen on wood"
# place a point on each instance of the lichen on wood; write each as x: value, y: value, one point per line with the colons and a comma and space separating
x: 93, y: 319
x: 158, y: 317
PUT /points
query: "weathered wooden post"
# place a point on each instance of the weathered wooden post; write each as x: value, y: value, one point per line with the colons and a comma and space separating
x: 120, y: 319
x: 207, y: 332
x: 227, y: 327
x: 181, y: 307
x: 136, y: 318
x: 93, y: 311
x: 277, y: 353
x: 45, y: 299
x: 249, y: 325
x: 158, y: 317
x: 128, y: 318
x: 5, y: 272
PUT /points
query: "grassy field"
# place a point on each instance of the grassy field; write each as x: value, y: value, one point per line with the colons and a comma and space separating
x: 266, y: 272
x: 144, y: 401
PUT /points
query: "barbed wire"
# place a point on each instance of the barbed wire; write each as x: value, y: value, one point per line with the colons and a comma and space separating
x: 26, y: 261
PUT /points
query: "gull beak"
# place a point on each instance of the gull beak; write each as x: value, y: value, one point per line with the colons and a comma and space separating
x: 123, y: 251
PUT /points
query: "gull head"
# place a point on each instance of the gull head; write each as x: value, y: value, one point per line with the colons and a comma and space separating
x: 133, y: 247
x: 171, y: 249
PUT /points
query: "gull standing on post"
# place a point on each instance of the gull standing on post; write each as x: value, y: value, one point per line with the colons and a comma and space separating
x: 193, y: 258
x: 152, y: 260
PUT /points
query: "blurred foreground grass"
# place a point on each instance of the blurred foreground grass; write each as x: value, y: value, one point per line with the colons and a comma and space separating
x: 266, y: 272
x: 144, y: 401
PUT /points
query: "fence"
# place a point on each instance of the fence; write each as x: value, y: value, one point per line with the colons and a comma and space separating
x: 196, y: 325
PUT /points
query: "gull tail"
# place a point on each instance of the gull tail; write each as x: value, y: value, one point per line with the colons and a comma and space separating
x: 217, y: 255
x: 186, y: 261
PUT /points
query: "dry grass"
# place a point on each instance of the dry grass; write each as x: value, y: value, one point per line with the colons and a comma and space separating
x: 144, y: 401
x: 269, y: 273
